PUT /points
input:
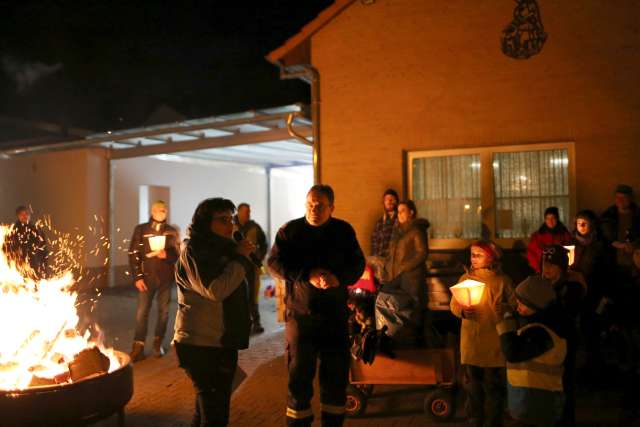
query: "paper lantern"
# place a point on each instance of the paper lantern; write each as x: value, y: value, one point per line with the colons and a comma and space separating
x: 468, y: 292
x: 157, y: 243
x: 572, y: 253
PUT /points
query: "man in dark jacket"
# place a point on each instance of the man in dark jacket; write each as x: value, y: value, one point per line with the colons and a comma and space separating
x: 318, y: 257
x: 152, y: 256
x: 251, y: 230
x: 621, y: 225
x: 26, y: 246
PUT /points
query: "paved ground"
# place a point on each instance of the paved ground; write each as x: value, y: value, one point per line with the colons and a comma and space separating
x: 164, y: 397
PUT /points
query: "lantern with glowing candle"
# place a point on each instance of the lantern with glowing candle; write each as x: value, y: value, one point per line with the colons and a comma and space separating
x: 156, y: 243
x: 468, y: 292
x: 572, y: 253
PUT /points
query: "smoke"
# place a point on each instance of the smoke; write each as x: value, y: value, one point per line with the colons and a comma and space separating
x: 26, y: 74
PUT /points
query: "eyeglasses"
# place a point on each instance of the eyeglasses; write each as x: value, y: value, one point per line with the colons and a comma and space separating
x: 224, y: 219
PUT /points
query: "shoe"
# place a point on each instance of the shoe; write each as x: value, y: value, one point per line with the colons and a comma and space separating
x: 257, y: 328
x: 137, y: 351
x: 158, y: 350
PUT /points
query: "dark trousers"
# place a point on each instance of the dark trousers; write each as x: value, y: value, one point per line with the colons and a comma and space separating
x: 163, y: 292
x: 310, y: 340
x: 486, y: 390
x: 211, y: 370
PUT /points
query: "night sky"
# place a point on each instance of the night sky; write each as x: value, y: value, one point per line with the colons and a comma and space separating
x: 101, y: 64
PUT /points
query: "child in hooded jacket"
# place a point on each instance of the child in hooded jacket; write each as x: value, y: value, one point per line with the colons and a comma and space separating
x: 482, y: 361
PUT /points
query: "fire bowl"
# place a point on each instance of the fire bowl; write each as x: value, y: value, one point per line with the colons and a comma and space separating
x: 73, y: 404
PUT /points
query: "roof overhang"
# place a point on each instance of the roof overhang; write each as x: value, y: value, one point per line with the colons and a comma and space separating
x: 297, y: 49
x: 224, y: 138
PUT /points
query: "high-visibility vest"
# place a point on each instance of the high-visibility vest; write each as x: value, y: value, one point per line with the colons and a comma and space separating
x: 542, y: 372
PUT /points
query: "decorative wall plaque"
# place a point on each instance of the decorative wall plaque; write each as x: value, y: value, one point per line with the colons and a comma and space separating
x: 524, y: 36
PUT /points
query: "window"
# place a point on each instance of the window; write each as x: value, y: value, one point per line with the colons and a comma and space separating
x: 495, y: 192
x: 447, y: 191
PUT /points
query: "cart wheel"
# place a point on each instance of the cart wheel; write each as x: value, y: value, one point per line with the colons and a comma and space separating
x: 356, y: 402
x: 439, y: 404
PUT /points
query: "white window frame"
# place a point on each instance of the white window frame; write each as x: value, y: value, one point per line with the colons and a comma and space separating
x: 487, y: 194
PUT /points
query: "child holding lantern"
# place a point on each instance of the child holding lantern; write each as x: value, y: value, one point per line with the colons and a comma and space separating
x: 482, y: 361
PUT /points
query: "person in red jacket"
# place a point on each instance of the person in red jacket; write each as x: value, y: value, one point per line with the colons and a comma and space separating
x: 551, y: 232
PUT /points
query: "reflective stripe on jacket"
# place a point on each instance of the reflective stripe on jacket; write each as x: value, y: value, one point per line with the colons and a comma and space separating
x: 542, y: 372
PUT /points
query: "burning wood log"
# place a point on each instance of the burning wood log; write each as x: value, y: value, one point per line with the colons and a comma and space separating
x: 89, y: 362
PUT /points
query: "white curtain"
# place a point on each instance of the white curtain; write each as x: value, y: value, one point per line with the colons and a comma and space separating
x: 525, y: 184
x: 447, y: 192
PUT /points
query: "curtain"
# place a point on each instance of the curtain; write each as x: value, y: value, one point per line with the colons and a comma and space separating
x: 525, y: 184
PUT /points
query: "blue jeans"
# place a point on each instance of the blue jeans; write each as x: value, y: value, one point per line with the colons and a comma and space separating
x: 163, y: 292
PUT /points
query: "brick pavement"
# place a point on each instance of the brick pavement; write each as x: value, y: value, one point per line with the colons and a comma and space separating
x: 163, y: 396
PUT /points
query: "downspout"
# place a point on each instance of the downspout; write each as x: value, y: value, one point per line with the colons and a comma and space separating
x: 308, y: 74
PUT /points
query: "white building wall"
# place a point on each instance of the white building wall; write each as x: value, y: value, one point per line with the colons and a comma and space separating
x: 289, y: 188
x: 190, y: 182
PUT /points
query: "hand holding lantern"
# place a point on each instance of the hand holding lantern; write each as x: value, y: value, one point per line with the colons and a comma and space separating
x: 468, y: 294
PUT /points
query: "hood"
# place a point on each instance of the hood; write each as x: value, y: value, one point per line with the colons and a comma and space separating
x: 421, y: 223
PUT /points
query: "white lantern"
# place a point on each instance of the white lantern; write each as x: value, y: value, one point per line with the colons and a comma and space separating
x: 572, y: 253
x: 468, y: 292
x: 157, y: 243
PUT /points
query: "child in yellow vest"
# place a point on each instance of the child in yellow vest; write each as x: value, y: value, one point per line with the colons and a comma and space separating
x: 535, y: 351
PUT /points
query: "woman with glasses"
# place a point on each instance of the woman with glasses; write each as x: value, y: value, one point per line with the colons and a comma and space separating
x: 212, y: 323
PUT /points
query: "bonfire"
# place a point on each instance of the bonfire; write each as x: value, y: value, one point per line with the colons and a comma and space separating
x: 39, y: 340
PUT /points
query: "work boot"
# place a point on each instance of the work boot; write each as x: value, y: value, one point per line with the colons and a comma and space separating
x: 158, y: 350
x: 137, y: 351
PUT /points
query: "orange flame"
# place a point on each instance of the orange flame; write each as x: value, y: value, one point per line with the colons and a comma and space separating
x: 38, y: 321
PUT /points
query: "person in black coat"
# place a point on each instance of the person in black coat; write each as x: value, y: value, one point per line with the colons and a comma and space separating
x: 570, y: 290
x: 317, y: 256
x: 153, y: 271
x: 26, y: 246
x: 591, y: 261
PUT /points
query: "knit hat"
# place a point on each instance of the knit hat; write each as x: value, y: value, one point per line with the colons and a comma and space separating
x: 556, y: 255
x: 553, y: 211
x: 535, y: 292
x: 489, y: 248
x: 624, y: 189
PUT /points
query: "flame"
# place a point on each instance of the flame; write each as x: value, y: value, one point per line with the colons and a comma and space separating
x: 38, y: 321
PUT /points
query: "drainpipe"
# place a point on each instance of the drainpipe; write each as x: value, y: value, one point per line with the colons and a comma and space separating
x: 310, y: 75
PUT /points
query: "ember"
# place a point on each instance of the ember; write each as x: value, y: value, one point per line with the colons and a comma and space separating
x: 40, y: 344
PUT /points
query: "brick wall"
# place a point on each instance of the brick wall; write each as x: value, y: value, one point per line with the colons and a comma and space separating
x: 417, y: 75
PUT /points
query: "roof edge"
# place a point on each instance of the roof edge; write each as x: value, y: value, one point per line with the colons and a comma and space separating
x: 303, y: 36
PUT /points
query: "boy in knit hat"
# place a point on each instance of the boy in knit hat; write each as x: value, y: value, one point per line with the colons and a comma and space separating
x: 535, y: 351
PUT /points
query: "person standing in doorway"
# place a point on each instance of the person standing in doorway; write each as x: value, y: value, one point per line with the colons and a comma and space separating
x: 152, y: 256
x: 317, y: 256
x: 251, y: 230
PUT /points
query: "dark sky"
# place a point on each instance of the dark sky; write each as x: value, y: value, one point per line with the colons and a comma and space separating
x: 102, y: 64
